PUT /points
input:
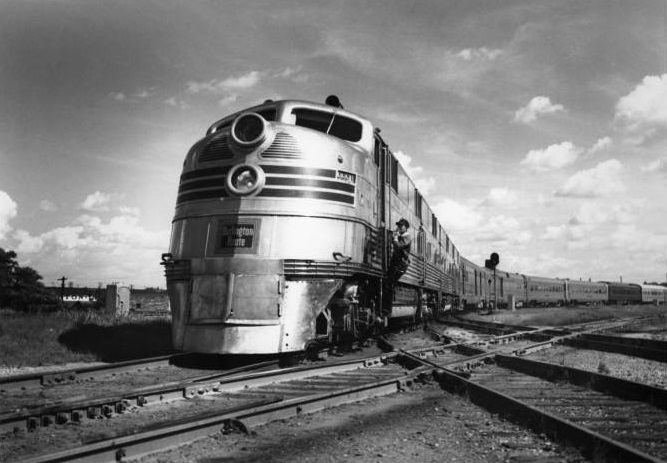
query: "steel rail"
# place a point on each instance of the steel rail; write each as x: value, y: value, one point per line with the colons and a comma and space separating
x: 232, y: 380
x: 76, y: 409
x: 149, y: 439
x: 495, y: 325
x: 623, y: 388
x: 595, y: 445
x: 644, y: 348
x: 259, y: 379
x: 69, y: 375
x: 476, y: 355
x: 144, y: 441
x: 486, y: 327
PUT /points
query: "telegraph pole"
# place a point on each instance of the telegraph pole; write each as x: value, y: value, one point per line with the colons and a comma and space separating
x: 62, y: 287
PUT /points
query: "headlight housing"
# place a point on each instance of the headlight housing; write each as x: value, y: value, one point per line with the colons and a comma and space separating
x: 249, y: 130
x: 245, y: 180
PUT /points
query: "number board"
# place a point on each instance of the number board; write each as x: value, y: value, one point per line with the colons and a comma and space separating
x: 346, y: 177
x: 237, y: 237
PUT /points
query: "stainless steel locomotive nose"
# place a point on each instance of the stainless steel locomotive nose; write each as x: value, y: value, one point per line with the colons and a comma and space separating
x: 249, y: 130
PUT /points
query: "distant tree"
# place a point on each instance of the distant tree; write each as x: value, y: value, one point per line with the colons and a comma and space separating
x: 21, y: 288
x: 8, y: 265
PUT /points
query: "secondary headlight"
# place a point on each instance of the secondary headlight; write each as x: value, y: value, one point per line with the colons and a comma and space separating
x: 245, y: 179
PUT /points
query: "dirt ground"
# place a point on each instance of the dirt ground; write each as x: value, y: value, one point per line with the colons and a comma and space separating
x: 423, y: 425
x: 426, y: 424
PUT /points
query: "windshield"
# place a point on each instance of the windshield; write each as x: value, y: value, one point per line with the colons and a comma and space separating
x: 327, y: 122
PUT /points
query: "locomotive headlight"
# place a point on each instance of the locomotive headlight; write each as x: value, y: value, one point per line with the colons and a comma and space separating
x: 249, y: 130
x: 245, y: 179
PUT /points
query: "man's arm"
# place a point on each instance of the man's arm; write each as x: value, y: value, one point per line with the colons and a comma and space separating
x: 404, y: 243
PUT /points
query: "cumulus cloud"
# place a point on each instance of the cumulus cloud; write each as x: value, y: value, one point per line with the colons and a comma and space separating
x: 425, y: 184
x: 89, y: 247
x: 457, y: 216
x: 600, y: 145
x: 176, y: 102
x: 658, y: 165
x: 601, y: 180
x: 469, y: 54
x: 597, y: 213
x: 552, y: 158
x: 144, y: 93
x: 27, y: 243
x: 141, y: 94
x: 502, y: 197
x: 118, y: 96
x: 227, y: 100
x: 535, y: 107
x: 644, y: 110
x: 634, y: 239
x: 97, y: 201
x: 8, y: 210
x: 126, y: 210
x: 566, y: 232
x: 245, y: 81
x: 500, y: 228
x: 291, y: 73
x: 216, y: 86
x: 48, y: 206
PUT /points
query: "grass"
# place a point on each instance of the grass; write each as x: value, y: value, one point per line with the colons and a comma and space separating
x: 78, y: 336
x: 558, y: 316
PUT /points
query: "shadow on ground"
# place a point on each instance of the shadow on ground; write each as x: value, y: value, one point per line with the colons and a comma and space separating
x: 222, y: 362
x: 116, y: 343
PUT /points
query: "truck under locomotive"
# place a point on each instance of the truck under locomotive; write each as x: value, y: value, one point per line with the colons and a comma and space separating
x: 281, y: 209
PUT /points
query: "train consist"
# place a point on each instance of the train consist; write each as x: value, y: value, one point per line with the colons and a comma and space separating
x: 284, y: 221
x: 524, y: 290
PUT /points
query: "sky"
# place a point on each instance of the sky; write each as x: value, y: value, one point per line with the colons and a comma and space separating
x: 534, y: 129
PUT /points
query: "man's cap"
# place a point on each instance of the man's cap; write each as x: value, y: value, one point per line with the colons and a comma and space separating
x: 403, y: 222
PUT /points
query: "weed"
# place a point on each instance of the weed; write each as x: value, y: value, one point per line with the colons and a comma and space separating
x: 79, y: 336
x: 558, y: 316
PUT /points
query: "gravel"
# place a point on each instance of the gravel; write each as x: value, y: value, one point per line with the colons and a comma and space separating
x: 425, y: 425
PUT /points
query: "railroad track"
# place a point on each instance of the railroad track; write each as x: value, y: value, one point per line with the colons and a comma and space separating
x: 90, y: 373
x: 254, y: 398
x: 76, y: 409
x: 609, y: 419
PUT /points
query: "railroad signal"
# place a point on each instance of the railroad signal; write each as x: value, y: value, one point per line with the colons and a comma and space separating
x: 492, y: 262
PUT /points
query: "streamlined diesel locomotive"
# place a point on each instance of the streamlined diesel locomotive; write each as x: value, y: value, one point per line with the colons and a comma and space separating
x: 284, y: 207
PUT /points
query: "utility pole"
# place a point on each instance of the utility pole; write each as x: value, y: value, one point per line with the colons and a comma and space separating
x: 62, y: 287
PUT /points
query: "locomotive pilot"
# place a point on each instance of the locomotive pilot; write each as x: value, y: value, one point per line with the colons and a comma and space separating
x: 400, y: 258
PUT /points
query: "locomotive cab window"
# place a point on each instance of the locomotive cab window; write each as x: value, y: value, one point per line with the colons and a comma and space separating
x: 327, y: 122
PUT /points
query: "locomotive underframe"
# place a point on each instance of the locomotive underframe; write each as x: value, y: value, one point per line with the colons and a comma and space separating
x: 277, y: 306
